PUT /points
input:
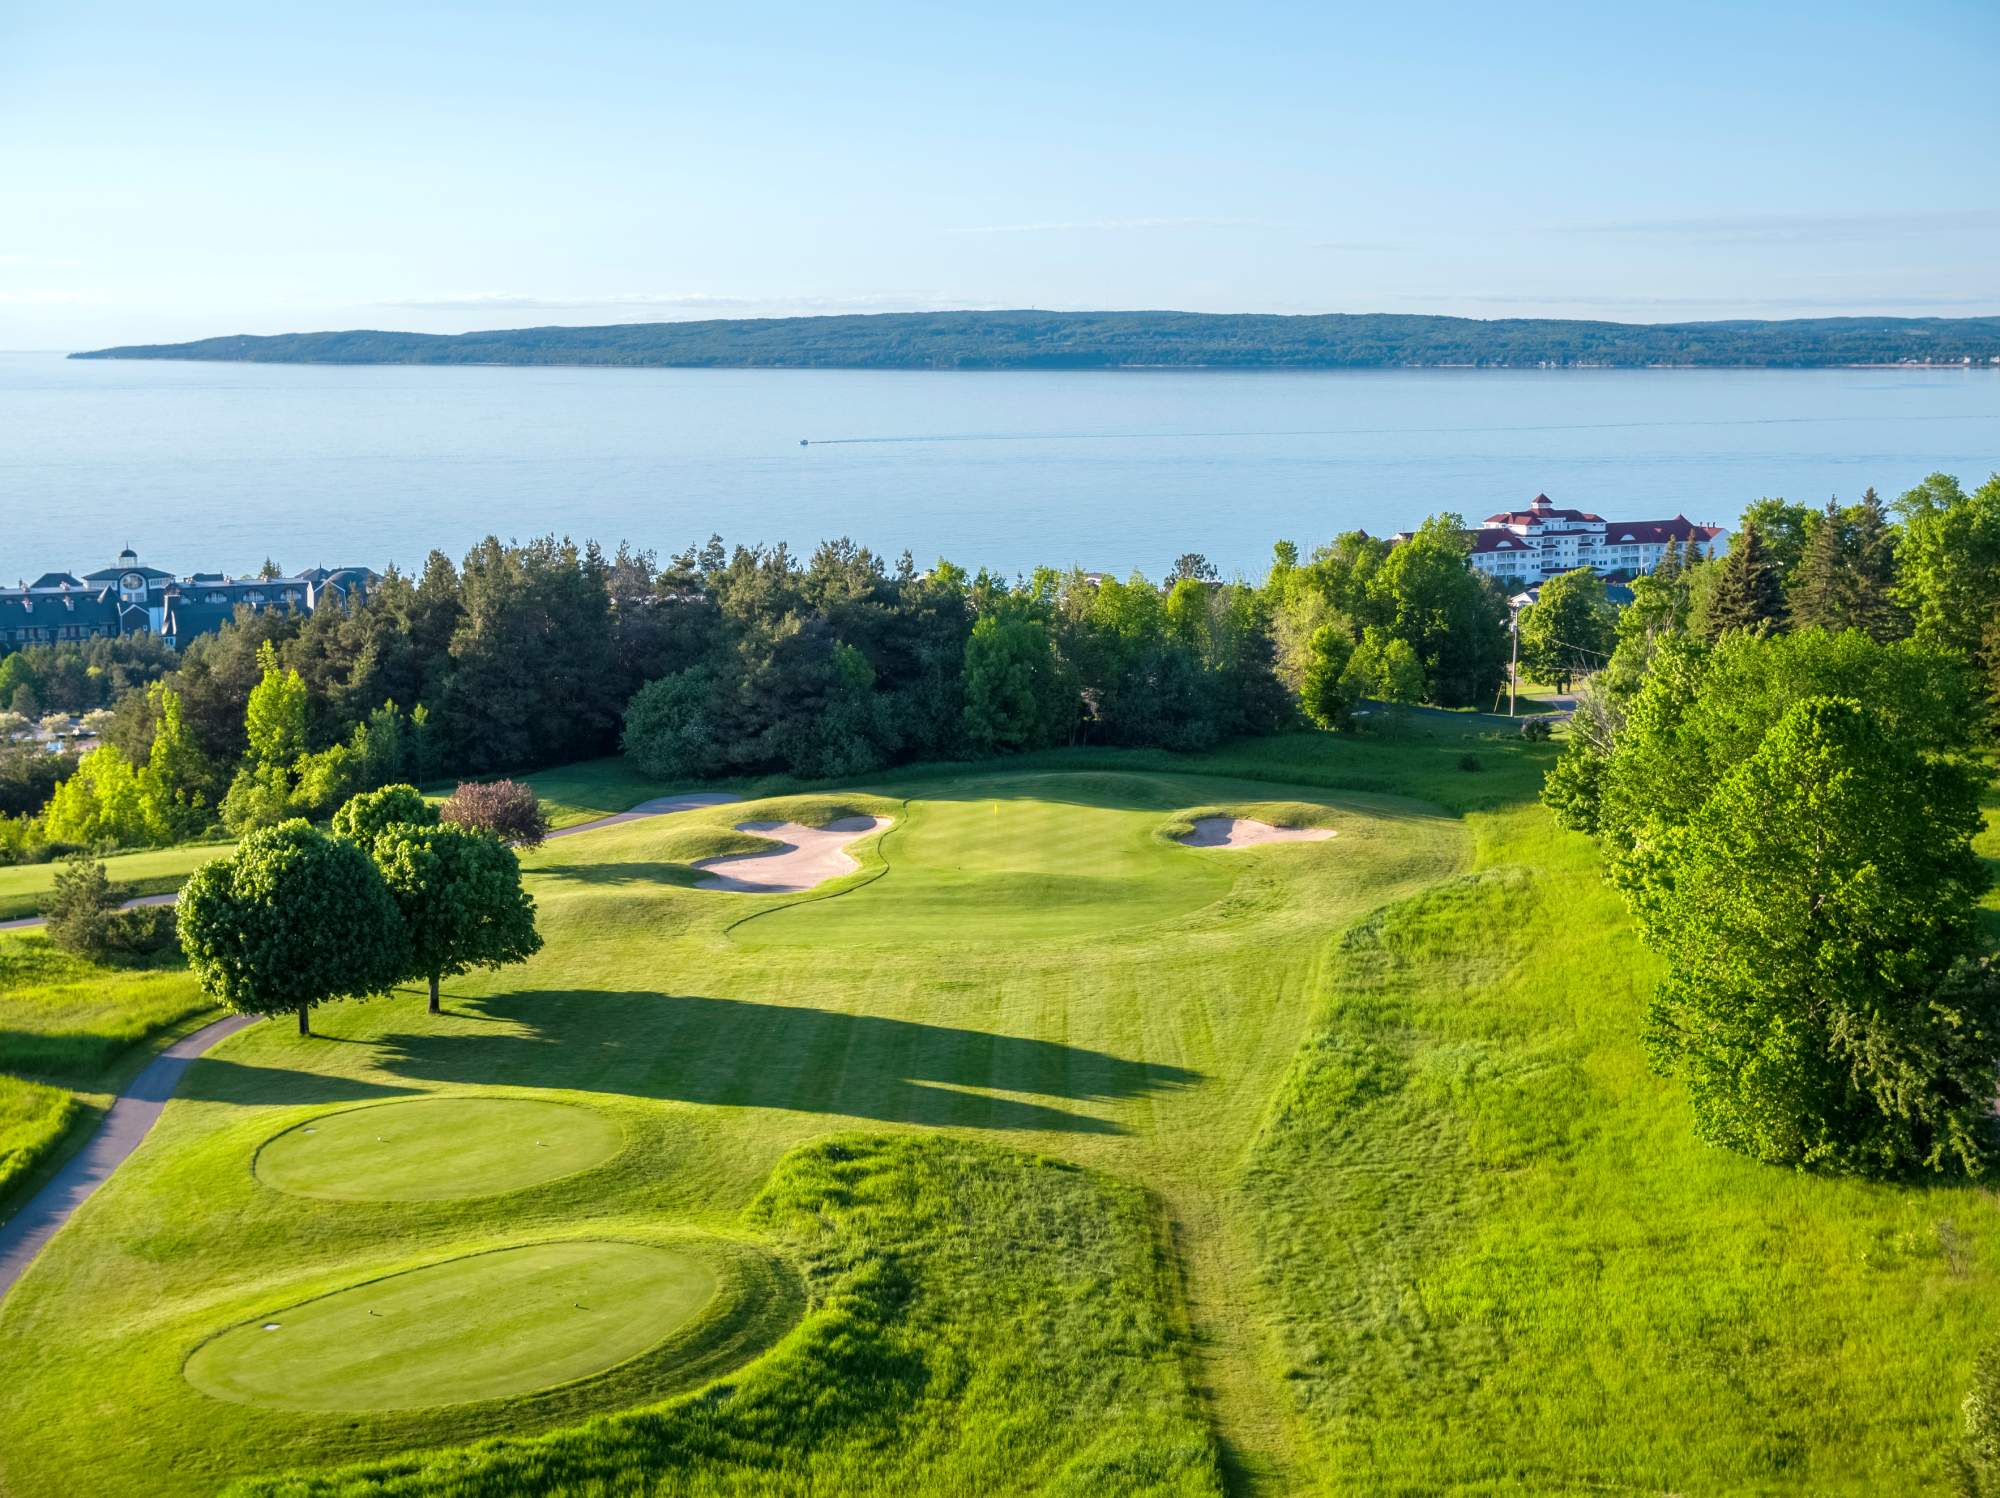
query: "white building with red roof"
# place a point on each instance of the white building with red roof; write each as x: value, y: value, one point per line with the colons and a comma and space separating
x: 1543, y: 540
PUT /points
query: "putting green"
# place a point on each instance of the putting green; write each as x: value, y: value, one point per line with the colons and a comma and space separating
x: 480, y: 1327
x: 1035, y: 861
x: 437, y: 1149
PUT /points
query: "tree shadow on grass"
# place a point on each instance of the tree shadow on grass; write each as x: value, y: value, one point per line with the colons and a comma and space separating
x: 735, y: 1053
x: 617, y: 873
x: 211, y: 1079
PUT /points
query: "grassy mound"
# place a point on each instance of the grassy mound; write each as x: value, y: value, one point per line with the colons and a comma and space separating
x: 984, y: 1321
x: 437, y: 1149
x: 479, y: 1327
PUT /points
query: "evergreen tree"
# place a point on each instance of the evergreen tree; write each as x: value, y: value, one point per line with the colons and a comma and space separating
x: 1669, y: 566
x: 1822, y: 588
x: 1747, y: 594
x: 1873, y: 562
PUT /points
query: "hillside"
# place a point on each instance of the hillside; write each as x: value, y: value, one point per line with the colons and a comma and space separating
x: 1122, y: 340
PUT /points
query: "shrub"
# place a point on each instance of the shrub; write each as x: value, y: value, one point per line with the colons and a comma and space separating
x: 1536, y: 730
x: 507, y: 809
x: 1469, y: 762
x: 81, y: 908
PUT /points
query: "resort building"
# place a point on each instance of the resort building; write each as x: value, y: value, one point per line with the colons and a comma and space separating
x: 129, y: 599
x: 1532, y: 545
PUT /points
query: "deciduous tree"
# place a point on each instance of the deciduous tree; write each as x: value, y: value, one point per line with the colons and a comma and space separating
x: 1323, y: 693
x: 1569, y: 630
x: 292, y: 919
x: 1950, y: 559
x: 364, y: 818
x: 505, y: 809
x: 1816, y: 914
x: 459, y: 893
x: 274, y: 719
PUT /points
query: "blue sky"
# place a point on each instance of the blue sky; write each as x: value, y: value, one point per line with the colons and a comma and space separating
x: 170, y: 172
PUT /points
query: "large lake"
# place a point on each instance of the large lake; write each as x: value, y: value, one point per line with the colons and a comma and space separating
x: 215, y: 466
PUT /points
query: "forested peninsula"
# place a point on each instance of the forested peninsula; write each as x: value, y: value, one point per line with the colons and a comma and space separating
x: 1139, y: 340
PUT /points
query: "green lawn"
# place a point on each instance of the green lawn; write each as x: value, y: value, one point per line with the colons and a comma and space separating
x: 158, y: 871
x: 573, y: 793
x: 594, y: 788
x: 34, y: 1118
x: 71, y: 1033
x: 478, y: 1327
x: 1054, y: 1157
x: 435, y: 1149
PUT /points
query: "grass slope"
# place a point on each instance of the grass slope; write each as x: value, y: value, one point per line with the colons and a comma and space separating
x: 1146, y: 1058
x: 1321, y: 1168
x: 33, y: 1120
x: 72, y: 1032
x: 25, y: 887
x: 983, y: 1321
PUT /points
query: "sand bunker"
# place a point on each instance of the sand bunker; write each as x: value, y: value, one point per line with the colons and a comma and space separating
x: 1243, y: 832
x: 808, y: 856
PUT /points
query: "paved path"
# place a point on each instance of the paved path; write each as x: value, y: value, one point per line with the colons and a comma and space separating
x: 131, y: 1118
x: 658, y: 807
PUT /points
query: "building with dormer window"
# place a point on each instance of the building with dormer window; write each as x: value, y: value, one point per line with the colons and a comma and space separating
x: 128, y: 598
x: 1532, y: 545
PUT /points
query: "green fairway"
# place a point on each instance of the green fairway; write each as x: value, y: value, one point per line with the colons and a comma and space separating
x: 437, y: 1149
x: 1040, y: 1154
x: 1035, y: 858
x: 473, y: 1328
x: 25, y: 887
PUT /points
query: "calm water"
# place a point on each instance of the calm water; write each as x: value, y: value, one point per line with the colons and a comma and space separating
x: 214, y: 466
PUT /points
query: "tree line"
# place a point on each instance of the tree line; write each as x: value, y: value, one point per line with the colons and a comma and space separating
x: 1782, y: 764
x: 750, y: 660
x: 1032, y: 339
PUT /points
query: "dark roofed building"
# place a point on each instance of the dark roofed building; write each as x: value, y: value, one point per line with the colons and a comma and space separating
x: 129, y: 598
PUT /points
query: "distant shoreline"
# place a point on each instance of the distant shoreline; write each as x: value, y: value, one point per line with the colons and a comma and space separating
x: 1137, y: 342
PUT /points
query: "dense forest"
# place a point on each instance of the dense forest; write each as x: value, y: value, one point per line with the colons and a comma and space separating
x: 750, y: 661
x: 1138, y: 340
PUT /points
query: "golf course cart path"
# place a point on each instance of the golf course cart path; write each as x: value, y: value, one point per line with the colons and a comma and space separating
x: 1247, y: 832
x: 131, y: 1118
x: 659, y: 806
x: 807, y: 856
x: 28, y: 923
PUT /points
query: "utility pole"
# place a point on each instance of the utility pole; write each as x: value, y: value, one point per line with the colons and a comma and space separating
x: 1514, y: 662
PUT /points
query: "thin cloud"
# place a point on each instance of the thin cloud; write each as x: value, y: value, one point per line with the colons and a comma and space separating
x: 1119, y: 225
x: 1795, y: 228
